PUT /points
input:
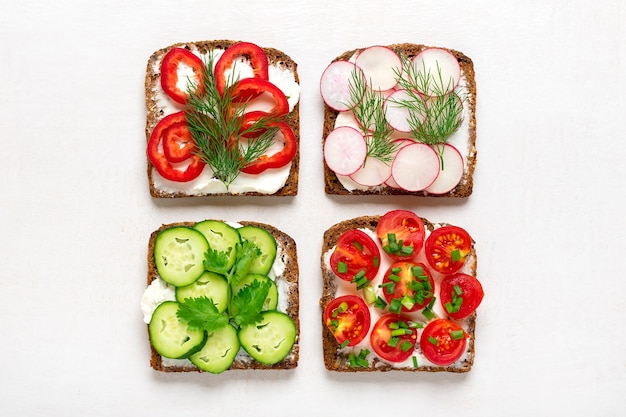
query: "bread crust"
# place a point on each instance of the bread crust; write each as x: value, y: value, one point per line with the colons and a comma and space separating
x: 332, y: 185
x: 334, y: 359
x: 155, y: 113
x: 291, y: 274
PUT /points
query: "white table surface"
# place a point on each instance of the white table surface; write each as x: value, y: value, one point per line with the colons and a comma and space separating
x: 547, y: 210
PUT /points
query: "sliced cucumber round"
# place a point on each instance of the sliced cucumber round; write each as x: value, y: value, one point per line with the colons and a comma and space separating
x: 266, y: 243
x: 178, y: 255
x: 221, y: 237
x: 170, y: 337
x: 271, y: 301
x: 219, y: 351
x: 270, y: 340
x: 209, y: 285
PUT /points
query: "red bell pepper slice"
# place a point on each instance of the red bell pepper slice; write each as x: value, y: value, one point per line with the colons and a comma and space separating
x: 169, y: 73
x: 256, y: 56
x: 157, y: 154
x: 280, y: 158
x: 250, y: 88
x: 178, y: 144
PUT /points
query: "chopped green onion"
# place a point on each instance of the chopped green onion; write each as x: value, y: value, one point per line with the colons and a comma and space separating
x: 395, y: 306
x: 369, y: 294
x: 406, y: 345
x: 407, y: 302
x: 417, y: 271
x: 428, y: 313
x: 400, y: 332
x: 457, y: 334
x: 458, y: 290
x: 376, y: 261
x: 432, y: 340
x: 415, y: 325
x: 396, y: 270
x: 455, y: 255
x: 334, y: 323
x: 380, y: 303
x: 414, y: 361
x: 407, y: 250
x: 394, y: 277
x: 345, y: 343
x: 343, y: 307
x: 359, y: 274
x: 342, y: 268
x: 358, y: 246
x: 393, y: 341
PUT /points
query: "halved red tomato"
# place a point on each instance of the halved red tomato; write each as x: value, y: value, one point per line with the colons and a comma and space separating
x: 460, y: 295
x: 170, y: 65
x: 348, y: 318
x: 171, y: 170
x: 356, y: 257
x: 447, y: 248
x: 443, y: 342
x: 255, y: 55
x: 392, y: 338
x: 407, y: 286
x: 401, y: 234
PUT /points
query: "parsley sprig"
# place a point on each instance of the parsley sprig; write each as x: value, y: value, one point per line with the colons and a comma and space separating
x: 246, y: 304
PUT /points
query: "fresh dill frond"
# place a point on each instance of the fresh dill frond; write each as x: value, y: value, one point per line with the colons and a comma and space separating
x: 216, y: 124
x: 369, y: 112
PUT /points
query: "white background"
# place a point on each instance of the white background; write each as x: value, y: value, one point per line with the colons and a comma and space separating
x: 546, y: 212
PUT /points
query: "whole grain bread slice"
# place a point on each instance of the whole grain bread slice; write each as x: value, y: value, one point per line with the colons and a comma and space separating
x: 289, y: 256
x: 336, y: 359
x: 155, y: 112
x: 465, y: 187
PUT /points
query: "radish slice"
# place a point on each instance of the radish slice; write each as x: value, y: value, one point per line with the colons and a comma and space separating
x: 438, y: 70
x: 345, y: 150
x: 380, y: 65
x: 415, y: 167
x: 346, y: 118
x: 451, y: 171
x: 374, y: 172
x: 400, y: 143
x: 335, y: 85
x: 398, y: 115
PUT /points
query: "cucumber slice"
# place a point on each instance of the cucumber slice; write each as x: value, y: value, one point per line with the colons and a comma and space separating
x: 270, y: 340
x: 271, y: 301
x: 219, y: 351
x: 210, y: 285
x: 221, y: 238
x: 178, y: 255
x: 170, y: 337
x: 266, y: 243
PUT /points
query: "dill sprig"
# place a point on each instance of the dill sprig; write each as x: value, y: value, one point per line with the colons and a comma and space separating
x: 216, y: 125
x: 433, y: 118
x: 369, y: 112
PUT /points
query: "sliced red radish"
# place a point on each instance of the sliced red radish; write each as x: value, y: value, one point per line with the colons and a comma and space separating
x: 381, y: 66
x: 346, y: 118
x: 399, y: 143
x: 335, y: 85
x: 438, y: 70
x: 399, y: 106
x: 373, y: 172
x: 451, y: 171
x: 345, y: 150
x: 415, y: 167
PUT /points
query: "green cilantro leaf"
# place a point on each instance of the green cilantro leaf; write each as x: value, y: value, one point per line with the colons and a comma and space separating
x: 248, y: 302
x: 216, y: 261
x: 246, y: 253
x: 201, y: 313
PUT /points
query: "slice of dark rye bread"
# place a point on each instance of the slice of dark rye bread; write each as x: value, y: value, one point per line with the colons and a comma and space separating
x: 334, y: 358
x: 464, y: 188
x: 156, y: 113
x: 289, y: 256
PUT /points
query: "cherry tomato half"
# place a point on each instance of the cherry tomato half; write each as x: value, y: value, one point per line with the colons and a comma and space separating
x: 348, y: 318
x: 170, y: 65
x: 407, y: 286
x: 447, y: 248
x: 401, y: 234
x: 460, y: 295
x: 255, y: 55
x: 443, y: 342
x: 355, y: 255
x: 392, y: 338
x: 158, y: 158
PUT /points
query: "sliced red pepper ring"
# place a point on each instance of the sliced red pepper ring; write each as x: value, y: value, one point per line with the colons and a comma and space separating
x: 158, y: 158
x: 255, y: 55
x: 250, y: 88
x: 178, y: 144
x: 169, y: 73
x: 278, y: 159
